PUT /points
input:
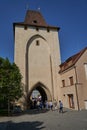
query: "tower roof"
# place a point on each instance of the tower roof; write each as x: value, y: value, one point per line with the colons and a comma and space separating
x: 34, y: 18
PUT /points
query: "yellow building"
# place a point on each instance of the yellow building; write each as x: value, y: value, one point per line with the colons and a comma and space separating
x: 37, y: 54
x: 73, y: 74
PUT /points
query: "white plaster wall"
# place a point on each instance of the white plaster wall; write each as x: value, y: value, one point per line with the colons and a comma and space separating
x: 22, y: 37
x: 39, y: 64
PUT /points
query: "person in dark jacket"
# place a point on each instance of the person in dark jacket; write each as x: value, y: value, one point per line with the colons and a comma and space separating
x: 60, y: 107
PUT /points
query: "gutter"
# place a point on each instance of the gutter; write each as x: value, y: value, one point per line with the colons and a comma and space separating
x: 76, y: 88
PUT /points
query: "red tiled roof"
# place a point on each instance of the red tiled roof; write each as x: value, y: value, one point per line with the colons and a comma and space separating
x: 35, y: 18
x: 71, y: 60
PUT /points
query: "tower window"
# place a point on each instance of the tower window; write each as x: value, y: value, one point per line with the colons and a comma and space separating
x: 37, y: 43
x: 37, y: 29
x: 48, y: 30
x: 35, y: 21
x: 25, y: 27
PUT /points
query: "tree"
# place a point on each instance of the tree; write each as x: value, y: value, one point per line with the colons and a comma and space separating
x: 11, y: 87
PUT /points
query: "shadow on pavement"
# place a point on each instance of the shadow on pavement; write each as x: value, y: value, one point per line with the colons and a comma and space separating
x: 31, y: 112
x: 36, y: 125
x: 36, y: 111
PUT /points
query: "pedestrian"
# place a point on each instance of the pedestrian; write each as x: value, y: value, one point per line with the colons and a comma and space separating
x: 51, y: 105
x: 60, y: 107
x: 38, y: 104
x: 55, y: 105
x: 46, y: 103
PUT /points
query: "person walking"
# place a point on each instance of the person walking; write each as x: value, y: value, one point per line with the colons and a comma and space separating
x: 60, y: 107
x: 51, y: 105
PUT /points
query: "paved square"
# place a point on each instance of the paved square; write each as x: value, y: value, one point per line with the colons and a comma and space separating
x: 46, y: 120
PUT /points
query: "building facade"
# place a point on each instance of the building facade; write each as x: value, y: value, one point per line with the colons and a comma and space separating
x: 37, y: 54
x: 74, y: 81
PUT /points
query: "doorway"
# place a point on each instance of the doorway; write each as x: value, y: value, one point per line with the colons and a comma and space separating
x: 71, y: 100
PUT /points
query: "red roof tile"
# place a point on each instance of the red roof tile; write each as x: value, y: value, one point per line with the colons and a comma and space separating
x: 71, y: 60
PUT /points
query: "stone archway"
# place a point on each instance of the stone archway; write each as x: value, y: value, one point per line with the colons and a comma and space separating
x: 44, y: 92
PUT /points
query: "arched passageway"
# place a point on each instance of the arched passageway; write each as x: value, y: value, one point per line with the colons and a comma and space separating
x: 42, y: 92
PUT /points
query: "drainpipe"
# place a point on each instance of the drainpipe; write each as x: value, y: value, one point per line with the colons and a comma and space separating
x: 52, y: 78
x: 76, y: 89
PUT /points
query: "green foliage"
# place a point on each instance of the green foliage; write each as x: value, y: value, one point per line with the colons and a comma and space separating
x: 11, y: 87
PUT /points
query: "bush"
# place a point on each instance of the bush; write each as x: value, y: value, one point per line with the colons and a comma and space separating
x: 3, y: 112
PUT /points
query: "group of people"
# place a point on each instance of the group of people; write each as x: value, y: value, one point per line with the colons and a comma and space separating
x: 36, y: 104
x: 55, y: 106
x: 39, y: 104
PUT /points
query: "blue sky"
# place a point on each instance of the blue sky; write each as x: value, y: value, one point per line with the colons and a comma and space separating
x: 69, y: 15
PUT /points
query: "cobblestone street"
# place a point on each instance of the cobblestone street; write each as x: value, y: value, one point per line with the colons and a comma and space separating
x: 46, y: 120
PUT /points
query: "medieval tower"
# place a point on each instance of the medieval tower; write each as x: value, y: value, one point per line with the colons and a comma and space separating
x: 37, y: 54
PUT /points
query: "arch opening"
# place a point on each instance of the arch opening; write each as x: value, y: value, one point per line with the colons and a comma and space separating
x: 38, y: 92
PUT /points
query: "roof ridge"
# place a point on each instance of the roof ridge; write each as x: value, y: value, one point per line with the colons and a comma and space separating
x: 81, y: 51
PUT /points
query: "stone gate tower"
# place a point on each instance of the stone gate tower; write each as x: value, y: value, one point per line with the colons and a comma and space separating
x: 37, y: 54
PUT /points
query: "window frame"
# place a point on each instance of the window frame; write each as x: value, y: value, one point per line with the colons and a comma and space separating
x: 71, y: 80
x: 63, y: 83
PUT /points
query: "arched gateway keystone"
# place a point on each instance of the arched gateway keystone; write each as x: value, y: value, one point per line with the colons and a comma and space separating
x: 37, y: 54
